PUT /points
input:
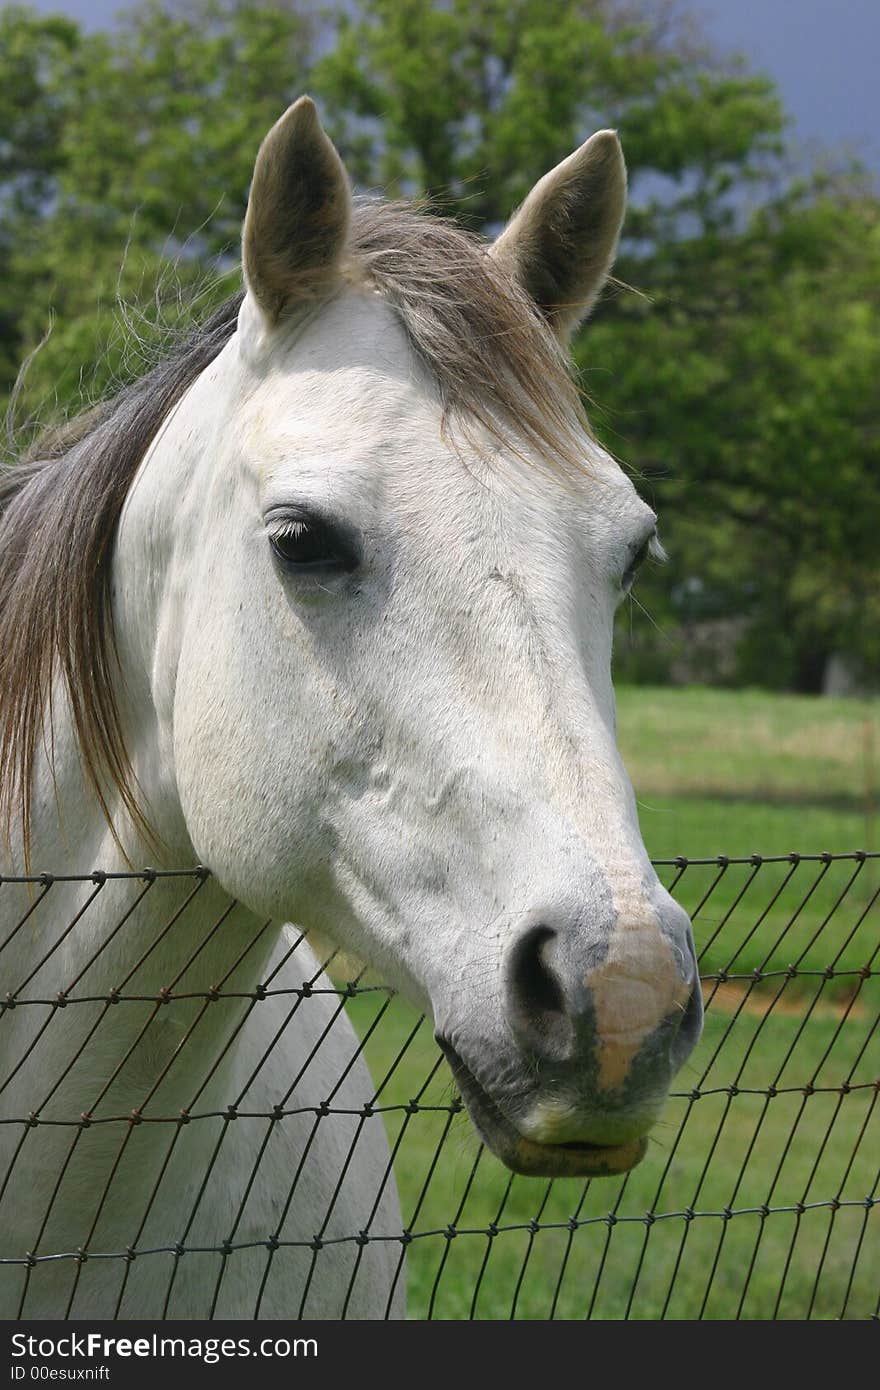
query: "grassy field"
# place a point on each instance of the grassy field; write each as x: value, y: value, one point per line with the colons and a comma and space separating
x: 777, y: 1151
x: 733, y: 772
x: 742, y: 772
x: 715, y: 773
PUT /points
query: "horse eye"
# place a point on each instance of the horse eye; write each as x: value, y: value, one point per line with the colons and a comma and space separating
x: 649, y: 544
x: 306, y: 543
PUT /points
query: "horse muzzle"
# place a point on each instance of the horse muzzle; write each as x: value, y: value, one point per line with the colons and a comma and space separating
x: 531, y: 1157
x: 569, y: 1066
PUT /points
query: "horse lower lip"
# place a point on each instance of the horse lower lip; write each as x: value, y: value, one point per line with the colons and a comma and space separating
x: 575, y: 1158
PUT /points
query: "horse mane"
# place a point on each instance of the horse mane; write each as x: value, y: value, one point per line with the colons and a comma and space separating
x: 497, y: 367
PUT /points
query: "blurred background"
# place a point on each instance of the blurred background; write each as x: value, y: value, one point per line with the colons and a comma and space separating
x: 732, y: 366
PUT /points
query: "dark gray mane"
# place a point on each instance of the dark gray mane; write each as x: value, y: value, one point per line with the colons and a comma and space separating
x: 498, y: 369
x: 58, y: 516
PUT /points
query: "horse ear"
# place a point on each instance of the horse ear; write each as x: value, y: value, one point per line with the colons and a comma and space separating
x: 561, y: 243
x: 298, y: 212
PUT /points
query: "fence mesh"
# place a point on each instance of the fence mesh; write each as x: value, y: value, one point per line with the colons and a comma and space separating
x: 756, y: 1199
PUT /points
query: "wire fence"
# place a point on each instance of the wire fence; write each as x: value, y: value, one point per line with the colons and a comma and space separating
x: 756, y: 1199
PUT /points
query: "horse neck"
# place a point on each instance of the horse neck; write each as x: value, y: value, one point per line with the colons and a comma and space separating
x: 157, y: 936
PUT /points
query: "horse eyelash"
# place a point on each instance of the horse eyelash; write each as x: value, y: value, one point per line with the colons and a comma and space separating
x: 292, y: 526
x: 657, y: 550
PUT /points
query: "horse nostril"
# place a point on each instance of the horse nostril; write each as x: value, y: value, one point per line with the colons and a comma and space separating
x: 533, y: 975
x: 536, y: 1002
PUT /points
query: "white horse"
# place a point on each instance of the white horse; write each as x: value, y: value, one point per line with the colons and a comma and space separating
x: 325, y: 604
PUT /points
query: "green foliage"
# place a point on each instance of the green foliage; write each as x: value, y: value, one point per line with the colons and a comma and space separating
x: 170, y: 108
x: 515, y: 1250
x: 744, y: 393
x: 31, y: 48
x: 739, y: 383
x: 473, y: 100
x: 33, y: 51
x: 145, y: 169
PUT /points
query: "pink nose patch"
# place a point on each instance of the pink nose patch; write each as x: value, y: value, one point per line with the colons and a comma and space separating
x: 634, y: 990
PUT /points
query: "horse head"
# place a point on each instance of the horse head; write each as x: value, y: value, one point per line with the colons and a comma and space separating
x: 367, y: 576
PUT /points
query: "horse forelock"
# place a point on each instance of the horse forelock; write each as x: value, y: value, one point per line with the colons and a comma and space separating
x: 498, y: 366
x: 499, y: 371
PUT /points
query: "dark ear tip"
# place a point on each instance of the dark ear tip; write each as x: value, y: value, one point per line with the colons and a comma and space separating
x: 304, y: 107
x: 298, y: 211
x: 602, y: 157
x: 300, y: 118
x: 605, y: 146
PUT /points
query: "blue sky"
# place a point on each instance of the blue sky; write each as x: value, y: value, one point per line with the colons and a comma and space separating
x: 824, y: 56
x: 822, y: 53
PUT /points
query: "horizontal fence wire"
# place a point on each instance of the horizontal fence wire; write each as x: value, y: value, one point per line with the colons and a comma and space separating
x: 160, y: 1104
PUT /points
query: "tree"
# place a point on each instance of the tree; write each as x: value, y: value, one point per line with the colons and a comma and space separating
x: 153, y: 140
x: 473, y: 100
x: 32, y: 51
x: 744, y: 392
x: 738, y: 381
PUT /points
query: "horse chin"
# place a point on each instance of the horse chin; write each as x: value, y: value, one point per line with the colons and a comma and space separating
x: 528, y: 1156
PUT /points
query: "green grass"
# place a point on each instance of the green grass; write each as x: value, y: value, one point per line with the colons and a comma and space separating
x: 732, y: 772
x: 780, y: 1151
x: 742, y: 772
x: 715, y: 772
x: 800, y: 918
